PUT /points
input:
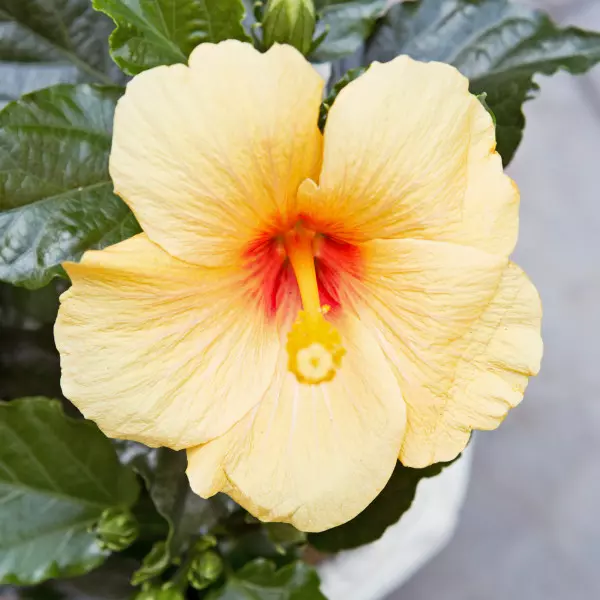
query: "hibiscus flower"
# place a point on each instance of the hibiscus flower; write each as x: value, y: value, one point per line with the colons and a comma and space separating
x: 302, y: 310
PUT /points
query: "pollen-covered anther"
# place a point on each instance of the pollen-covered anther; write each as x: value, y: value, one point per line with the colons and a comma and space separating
x: 314, y: 348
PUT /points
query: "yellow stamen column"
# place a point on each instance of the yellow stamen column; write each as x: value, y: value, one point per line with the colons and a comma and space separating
x: 314, y: 345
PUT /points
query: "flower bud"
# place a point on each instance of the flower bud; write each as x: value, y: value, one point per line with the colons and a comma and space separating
x: 166, y: 592
x: 204, y: 542
x: 117, y: 529
x: 289, y: 22
x: 206, y: 568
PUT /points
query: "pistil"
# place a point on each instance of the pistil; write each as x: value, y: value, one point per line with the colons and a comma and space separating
x: 314, y: 345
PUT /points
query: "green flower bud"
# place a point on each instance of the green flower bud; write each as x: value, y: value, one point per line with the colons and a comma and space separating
x: 289, y: 22
x: 166, y: 592
x: 117, y: 529
x: 205, y: 569
x: 205, y: 542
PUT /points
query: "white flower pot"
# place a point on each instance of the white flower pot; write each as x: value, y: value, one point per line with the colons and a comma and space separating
x: 373, y: 571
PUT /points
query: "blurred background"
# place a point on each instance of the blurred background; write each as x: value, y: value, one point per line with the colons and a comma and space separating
x: 529, y: 529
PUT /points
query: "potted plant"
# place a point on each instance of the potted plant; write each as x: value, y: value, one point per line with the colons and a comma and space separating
x: 87, y: 509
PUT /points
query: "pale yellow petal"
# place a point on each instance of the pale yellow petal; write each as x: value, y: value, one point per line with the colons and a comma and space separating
x: 420, y: 295
x: 313, y: 456
x: 461, y: 328
x: 210, y: 155
x: 160, y: 351
x: 410, y: 153
x: 499, y: 353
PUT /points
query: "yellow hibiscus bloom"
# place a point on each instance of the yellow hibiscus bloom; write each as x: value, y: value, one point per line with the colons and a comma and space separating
x: 302, y: 309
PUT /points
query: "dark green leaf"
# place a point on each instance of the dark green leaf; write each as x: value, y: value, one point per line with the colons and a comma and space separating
x: 395, y: 499
x: 57, y: 476
x: 350, y: 22
x: 109, y: 582
x: 44, y: 42
x: 284, y: 536
x: 24, y: 78
x: 187, y: 514
x: 242, y: 546
x: 260, y: 580
x: 243, y: 538
x: 350, y: 76
x: 29, y: 362
x: 28, y: 309
x: 56, y: 198
x: 152, y: 525
x: 163, y: 32
x: 44, y: 591
x: 499, y: 45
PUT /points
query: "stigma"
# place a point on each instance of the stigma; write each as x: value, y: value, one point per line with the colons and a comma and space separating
x: 314, y: 345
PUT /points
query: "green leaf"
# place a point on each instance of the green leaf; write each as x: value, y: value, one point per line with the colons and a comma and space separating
x: 260, y: 580
x: 29, y: 362
x: 152, y: 524
x: 47, y: 42
x: 43, y: 42
x: 242, y: 546
x: 284, y: 536
x: 56, y: 198
x: 187, y: 515
x: 28, y: 309
x: 349, y: 24
x: 499, y: 45
x: 243, y: 538
x: 110, y: 581
x: 395, y: 499
x: 163, y: 32
x: 23, y: 78
x: 57, y: 476
x: 349, y: 76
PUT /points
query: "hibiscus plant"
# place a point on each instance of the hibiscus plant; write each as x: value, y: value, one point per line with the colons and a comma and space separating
x: 280, y: 235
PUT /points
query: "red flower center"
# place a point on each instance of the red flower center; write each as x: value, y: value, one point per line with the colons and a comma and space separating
x: 271, y: 270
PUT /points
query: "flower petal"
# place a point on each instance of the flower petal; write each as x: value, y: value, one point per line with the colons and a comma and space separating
x: 313, y: 456
x: 410, y: 153
x: 502, y: 349
x: 160, y: 351
x: 462, y: 329
x: 209, y: 155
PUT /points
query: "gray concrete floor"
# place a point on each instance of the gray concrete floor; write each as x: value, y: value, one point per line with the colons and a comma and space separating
x: 530, y: 529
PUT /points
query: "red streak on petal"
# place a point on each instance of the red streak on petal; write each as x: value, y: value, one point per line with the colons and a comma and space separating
x: 335, y: 261
x: 273, y: 283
